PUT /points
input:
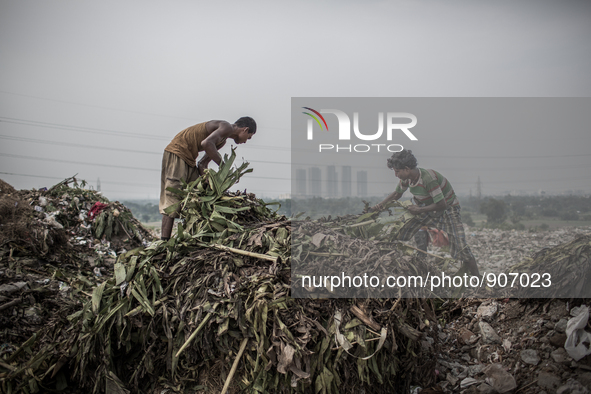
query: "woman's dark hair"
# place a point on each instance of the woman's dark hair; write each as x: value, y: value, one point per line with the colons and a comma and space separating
x: 247, y: 121
x: 402, y: 159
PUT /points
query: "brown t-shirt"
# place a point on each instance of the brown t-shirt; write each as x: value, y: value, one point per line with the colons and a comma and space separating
x: 187, y: 143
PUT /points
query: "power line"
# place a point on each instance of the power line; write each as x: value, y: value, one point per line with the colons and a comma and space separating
x: 542, y: 180
x: 275, y: 191
x: 250, y: 176
x: 506, y: 157
x: 32, y: 176
x: 103, y: 107
x: 110, y: 165
x: 78, y: 162
x: 35, y: 140
x: 110, y: 182
x: 130, y: 134
x: 105, y: 182
x: 90, y: 105
x: 7, y: 137
x: 473, y: 157
x: 469, y: 168
x: 81, y: 129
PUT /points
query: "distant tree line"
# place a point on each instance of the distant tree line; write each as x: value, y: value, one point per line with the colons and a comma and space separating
x: 517, y: 208
x: 147, y: 211
x: 316, y: 207
x: 497, y: 210
x: 144, y: 211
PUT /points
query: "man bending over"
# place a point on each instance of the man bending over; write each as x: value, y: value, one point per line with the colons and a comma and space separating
x: 436, y: 205
x: 179, y: 159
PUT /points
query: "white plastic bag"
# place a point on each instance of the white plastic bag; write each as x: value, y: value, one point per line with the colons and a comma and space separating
x: 578, y: 341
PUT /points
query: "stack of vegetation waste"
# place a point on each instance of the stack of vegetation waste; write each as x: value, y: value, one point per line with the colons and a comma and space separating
x: 325, y: 255
x: 210, y: 310
x: 329, y: 251
x: 563, y: 271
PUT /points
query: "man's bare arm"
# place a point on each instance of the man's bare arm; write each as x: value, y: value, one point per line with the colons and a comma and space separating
x: 210, y: 143
x: 203, y: 163
x: 392, y: 197
x: 440, y: 206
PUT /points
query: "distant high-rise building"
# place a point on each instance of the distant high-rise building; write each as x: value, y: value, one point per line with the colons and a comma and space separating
x: 300, y: 184
x: 346, y: 181
x: 315, y: 181
x: 98, y: 184
x: 361, y: 183
x: 332, y: 181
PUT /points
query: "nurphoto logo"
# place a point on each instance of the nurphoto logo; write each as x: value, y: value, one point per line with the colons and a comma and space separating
x: 344, y: 130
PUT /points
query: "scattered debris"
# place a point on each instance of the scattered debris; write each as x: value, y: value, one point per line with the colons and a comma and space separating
x: 526, y: 360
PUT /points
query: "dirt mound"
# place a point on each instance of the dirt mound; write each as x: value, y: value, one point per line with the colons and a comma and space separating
x: 5, y: 188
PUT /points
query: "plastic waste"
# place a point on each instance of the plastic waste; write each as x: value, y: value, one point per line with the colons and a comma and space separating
x: 578, y: 340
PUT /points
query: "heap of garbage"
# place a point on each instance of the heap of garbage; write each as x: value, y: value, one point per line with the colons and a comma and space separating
x: 56, y: 245
x: 49, y: 223
x: 210, y: 309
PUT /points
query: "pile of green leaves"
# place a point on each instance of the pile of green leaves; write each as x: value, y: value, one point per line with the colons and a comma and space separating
x: 210, y: 212
x: 363, y: 244
x: 116, y: 220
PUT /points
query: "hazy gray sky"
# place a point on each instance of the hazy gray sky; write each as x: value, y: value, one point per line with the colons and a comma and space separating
x: 100, y: 88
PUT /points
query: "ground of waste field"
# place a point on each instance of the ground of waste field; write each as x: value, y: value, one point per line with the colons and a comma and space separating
x: 492, y: 345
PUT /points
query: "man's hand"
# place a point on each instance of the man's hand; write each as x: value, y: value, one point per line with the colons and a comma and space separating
x: 201, y: 168
x: 376, y: 208
x: 414, y: 209
x: 203, y: 164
